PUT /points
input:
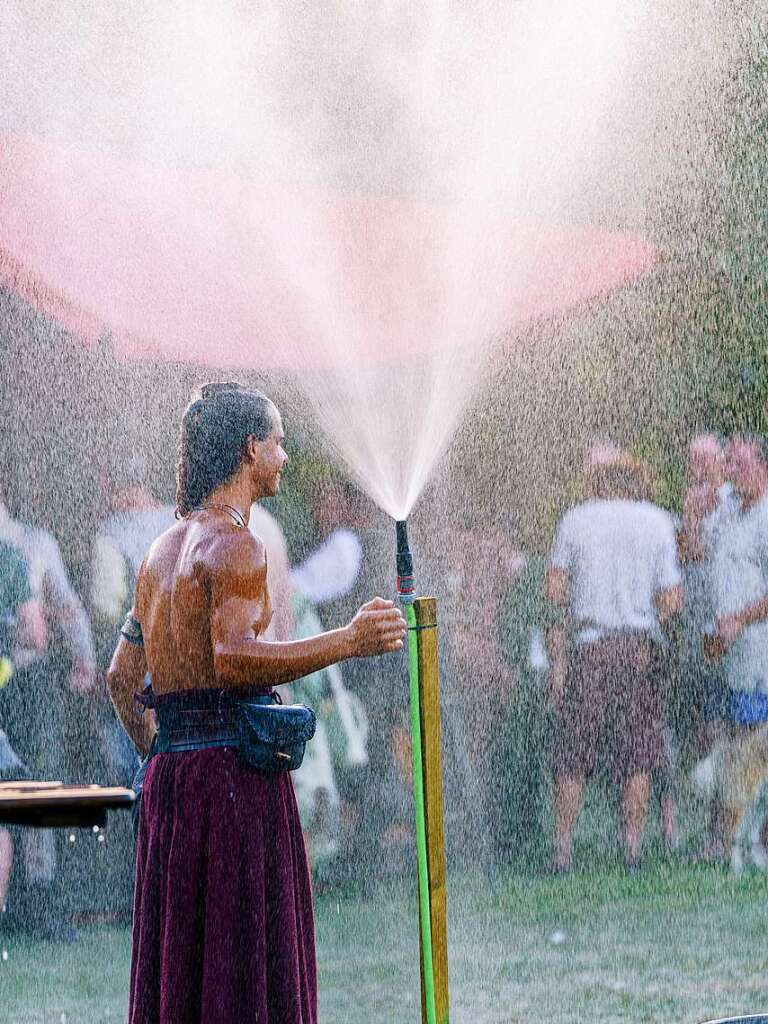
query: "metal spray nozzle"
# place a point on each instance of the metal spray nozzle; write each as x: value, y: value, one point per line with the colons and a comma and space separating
x: 405, y: 580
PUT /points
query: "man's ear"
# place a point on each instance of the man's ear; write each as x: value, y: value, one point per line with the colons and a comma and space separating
x: 251, y: 448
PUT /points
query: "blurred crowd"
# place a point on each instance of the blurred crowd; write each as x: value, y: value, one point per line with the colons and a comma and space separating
x: 632, y: 652
x: 654, y: 668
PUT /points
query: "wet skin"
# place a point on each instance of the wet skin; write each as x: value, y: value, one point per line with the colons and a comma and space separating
x: 203, y: 604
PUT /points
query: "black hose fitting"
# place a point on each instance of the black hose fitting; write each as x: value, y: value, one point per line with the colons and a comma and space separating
x: 405, y: 581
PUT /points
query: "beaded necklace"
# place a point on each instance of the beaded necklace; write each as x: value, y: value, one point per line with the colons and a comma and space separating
x: 234, y: 514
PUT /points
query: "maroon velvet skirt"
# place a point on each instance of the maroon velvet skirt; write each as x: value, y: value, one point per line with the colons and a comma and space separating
x: 223, y: 930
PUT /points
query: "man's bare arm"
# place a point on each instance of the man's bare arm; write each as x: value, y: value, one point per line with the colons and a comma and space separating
x: 124, y: 679
x: 669, y: 602
x: 556, y: 587
x: 31, y: 629
x: 754, y: 613
x: 730, y: 627
x: 242, y: 658
x: 557, y: 591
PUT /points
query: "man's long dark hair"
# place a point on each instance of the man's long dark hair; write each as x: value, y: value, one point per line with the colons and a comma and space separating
x: 215, y: 428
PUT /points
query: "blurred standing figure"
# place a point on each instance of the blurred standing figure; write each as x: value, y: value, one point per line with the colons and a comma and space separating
x: 483, y: 565
x: 62, y: 610
x: 480, y: 686
x: 36, y: 725
x: 339, y: 748
x: 20, y: 619
x: 263, y: 524
x: 355, y: 557
x: 332, y: 569
x: 741, y: 574
x: 136, y: 519
x: 518, y: 808
x: 317, y: 794
x: 614, y: 567
x: 709, y: 507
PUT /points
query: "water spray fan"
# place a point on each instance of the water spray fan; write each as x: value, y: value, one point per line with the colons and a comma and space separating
x: 421, y: 618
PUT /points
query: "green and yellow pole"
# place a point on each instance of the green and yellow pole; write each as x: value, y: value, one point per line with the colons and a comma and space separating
x: 421, y: 618
x: 429, y: 1014
x: 425, y: 609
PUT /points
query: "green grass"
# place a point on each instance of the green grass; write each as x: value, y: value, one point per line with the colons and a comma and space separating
x: 674, y: 944
x: 45, y: 982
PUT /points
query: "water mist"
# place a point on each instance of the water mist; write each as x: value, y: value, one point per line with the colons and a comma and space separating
x: 439, y: 126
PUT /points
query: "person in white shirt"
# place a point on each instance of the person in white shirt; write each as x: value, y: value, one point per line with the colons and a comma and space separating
x: 741, y: 572
x: 614, y: 568
x: 331, y: 570
x: 710, y: 505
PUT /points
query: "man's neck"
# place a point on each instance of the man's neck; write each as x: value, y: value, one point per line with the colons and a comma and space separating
x: 237, y: 495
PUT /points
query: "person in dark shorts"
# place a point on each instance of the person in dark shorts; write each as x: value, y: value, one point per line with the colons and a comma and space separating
x: 223, y: 928
x: 741, y: 571
x: 741, y: 580
x: 613, y: 708
x: 614, y: 568
x: 710, y: 506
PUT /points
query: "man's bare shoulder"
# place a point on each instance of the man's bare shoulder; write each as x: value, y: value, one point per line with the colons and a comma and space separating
x: 167, y: 545
x: 242, y: 548
x: 211, y: 551
x: 236, y: 565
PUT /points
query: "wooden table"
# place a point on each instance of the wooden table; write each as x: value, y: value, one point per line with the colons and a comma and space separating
x: 54, y: 805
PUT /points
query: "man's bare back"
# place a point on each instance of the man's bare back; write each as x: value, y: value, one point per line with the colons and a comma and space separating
x: 200, y: 560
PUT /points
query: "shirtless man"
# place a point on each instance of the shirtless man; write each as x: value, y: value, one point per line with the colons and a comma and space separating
x: 236, y: 879
x: 202, y: 602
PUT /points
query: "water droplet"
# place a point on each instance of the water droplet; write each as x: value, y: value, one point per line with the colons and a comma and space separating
x: 5, y: 954
x: 101, y: 838
x: 71, y: 837
x: 96, y: 828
